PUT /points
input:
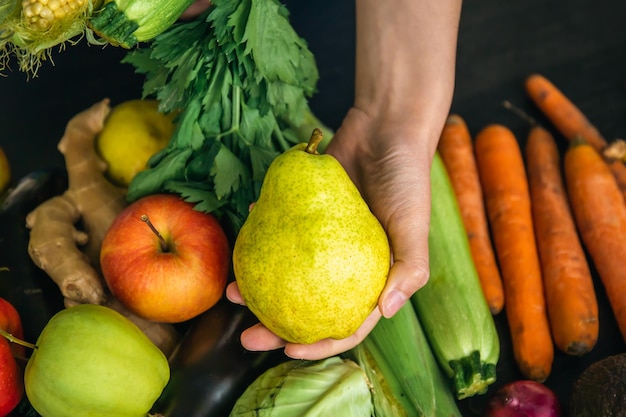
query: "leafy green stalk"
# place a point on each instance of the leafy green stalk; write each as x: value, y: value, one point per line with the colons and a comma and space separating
x: 240, y: 77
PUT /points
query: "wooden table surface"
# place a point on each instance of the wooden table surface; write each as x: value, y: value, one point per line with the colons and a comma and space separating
x: 579, y: 44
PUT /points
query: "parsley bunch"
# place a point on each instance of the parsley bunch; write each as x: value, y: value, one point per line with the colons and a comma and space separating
x: 240, y: 78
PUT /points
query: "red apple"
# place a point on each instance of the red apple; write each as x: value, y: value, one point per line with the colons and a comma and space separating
x: 11, y: 322
x: 11, y: 378
x: 11, y: 382
x: 164, y: 260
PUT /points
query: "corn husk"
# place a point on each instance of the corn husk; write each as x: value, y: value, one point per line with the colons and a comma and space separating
x: 405, y: 376
x: 30, y: 42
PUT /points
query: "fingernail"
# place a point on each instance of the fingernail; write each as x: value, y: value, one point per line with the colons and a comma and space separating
x: 393, y: 302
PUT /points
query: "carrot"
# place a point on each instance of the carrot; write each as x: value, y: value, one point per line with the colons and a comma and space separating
x: 507, y: 200
x: 600, y: 215
x: 457, y: 152
x: 569, y: 120
x: 570, y: 295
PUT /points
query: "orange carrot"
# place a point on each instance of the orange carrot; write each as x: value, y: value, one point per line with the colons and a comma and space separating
x: 569, y: 120
x: 457, y: 152
x: 570, y: 295
x: 600, y: 215
x: 507, y: 200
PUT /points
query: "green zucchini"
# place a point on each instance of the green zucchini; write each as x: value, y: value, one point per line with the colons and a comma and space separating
x: 451, y: 307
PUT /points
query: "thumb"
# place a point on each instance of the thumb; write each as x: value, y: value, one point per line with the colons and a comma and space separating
x: 410, y: 266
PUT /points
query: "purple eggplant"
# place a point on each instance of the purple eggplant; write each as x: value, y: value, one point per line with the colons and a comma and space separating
x: 210, y: 369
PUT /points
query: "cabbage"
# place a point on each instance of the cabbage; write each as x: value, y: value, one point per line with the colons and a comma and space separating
x: 301, y: 388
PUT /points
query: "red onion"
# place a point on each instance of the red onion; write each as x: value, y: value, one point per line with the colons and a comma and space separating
x: 523, y: 398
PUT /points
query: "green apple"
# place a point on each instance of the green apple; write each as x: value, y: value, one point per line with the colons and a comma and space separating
x: 91, y: 361
x: 164, y: 260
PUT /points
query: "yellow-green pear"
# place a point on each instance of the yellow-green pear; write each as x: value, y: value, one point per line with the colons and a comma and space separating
x: 311, y: 259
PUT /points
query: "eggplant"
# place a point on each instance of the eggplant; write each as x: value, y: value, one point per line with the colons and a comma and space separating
x: 29, y: 289
x: 210, y: 369
x: 35, y: 296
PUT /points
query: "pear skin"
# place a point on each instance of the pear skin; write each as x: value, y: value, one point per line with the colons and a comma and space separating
x: 311, y: 260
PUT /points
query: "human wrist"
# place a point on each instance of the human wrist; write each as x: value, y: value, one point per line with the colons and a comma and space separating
x: 405, y: 66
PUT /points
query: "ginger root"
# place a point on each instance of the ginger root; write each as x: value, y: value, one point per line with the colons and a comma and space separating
x: 53, y: 234
x: 616, y: 150
x: 71, y: 257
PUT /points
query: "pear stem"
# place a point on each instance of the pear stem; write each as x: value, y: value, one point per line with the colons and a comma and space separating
x: 14, y: 339
x: 314, y: 141
x: 146, y: 220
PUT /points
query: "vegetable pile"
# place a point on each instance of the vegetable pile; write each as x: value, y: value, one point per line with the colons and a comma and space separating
x: 544, y: 215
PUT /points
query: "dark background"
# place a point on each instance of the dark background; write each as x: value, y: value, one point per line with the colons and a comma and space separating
x: 579, y: 44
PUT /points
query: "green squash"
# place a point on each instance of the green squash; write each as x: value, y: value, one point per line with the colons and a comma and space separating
x: 91, y: 361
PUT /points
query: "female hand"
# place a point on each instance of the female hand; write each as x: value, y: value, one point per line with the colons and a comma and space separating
x: 394, y: 177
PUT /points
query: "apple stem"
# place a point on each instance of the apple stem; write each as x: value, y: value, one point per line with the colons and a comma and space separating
x: 146, y: 219
x: 14, y: 339
x: 314, y: 141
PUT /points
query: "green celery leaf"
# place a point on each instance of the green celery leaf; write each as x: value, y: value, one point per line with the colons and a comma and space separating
x: 197, y: 192
x: 260, y: 159
x: 145, y: 64
x: 228, y: 172
x: 152, y: 180
x: 188, y: 132
x: 200, y: 164
x: 266, y: 43
x: 185, y: 72
x: 241, y: 199
x: 256, y: 129
x: 288, y: 101
x: 220, y: 80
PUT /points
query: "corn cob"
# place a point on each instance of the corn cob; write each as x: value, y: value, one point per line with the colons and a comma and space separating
x: 45, y: 14
x: 406, y: 378
x: 30, y: 28
x: 451, y: 306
